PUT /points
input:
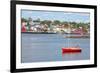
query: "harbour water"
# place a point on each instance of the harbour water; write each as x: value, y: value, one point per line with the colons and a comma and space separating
x: 48, y: 47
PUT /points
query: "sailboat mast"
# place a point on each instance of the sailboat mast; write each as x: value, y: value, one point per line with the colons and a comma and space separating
x: 68, y: 33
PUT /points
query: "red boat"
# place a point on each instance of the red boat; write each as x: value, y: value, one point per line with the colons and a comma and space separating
x: 71, y: 50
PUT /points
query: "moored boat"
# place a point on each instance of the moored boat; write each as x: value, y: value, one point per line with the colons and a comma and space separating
x: 71, y: 50
x: 79, y: 36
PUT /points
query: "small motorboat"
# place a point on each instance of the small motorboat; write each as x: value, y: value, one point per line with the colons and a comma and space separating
x: 71, y: 50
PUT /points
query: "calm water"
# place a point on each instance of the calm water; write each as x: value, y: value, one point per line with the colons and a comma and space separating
x: 47, y: 47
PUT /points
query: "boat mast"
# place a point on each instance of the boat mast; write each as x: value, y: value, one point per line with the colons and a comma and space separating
x: 68, y: 33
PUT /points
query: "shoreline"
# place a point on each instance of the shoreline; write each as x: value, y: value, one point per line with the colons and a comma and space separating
x: 47, y: 33
x: 71, y: 36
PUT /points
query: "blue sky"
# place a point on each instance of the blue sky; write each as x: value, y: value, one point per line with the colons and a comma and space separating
x: 51, y: 15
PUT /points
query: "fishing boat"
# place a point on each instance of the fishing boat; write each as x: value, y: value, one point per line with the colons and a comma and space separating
x: 71, y: 50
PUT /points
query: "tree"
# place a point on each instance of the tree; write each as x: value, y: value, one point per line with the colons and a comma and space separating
x: 65, y: 24
x: 37, y: 20
x: 56, y: 22
x: 48, y: 22
x: 23, y: 20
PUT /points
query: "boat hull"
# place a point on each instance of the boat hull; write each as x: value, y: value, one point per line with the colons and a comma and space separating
x: 71, y: 50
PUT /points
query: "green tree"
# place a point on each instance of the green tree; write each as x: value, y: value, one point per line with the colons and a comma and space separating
x: 66, y: 24
x: 23, y: 20
x: 56, y: 22
x: 48, y: 22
